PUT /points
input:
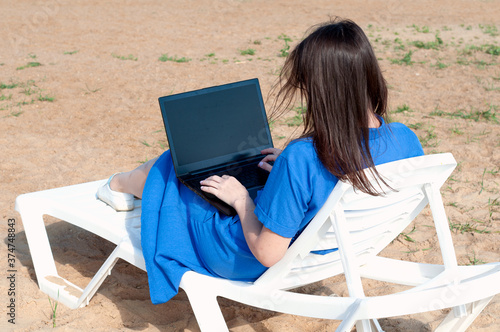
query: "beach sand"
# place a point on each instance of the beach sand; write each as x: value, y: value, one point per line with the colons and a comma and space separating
x: 78, y: 102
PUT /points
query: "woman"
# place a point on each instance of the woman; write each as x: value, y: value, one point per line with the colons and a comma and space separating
x: 336, y: 75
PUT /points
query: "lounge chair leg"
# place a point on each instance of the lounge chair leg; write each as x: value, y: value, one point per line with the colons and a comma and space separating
x: 364, y: 325
x: 460, y: 324
x: 207, y: 313
x: 204, y: 304
x: 349, y: 322
x: 377, y: 326
x: 48, y: 279
x: 99, y: 277
x: 38, y: 241
x: 72, y: 296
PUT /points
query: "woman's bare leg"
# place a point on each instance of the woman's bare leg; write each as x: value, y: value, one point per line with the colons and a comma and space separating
x: 132, y: 182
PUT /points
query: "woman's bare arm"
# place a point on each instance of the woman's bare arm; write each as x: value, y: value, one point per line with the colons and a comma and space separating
x: 267, y: 246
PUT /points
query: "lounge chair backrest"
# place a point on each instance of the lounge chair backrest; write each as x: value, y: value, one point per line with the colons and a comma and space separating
x: 373, y: 221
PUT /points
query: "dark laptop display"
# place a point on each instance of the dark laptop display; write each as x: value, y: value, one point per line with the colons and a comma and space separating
x: 218, y: 130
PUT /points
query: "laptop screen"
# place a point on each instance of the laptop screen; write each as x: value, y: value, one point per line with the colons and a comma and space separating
x: 216, y: 125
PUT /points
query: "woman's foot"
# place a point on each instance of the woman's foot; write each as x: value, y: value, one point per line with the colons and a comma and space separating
x: 117, y: 200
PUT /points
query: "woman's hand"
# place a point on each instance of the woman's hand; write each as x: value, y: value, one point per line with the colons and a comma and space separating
x: 267, y: 246
x: 271, y: 155
x: 226, y: 188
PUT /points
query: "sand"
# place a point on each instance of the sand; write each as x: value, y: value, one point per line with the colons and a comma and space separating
x: 78, y: 101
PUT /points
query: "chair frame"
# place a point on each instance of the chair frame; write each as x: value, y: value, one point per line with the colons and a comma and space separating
x: 466, y: 289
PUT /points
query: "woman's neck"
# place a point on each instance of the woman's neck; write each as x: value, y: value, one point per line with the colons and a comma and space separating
x: 373, y: 120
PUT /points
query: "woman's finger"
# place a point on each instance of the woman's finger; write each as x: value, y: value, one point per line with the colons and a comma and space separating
x: 213, y: 178
x: 208, y: 189
x: 269, y: 157
x: 215, y: 181
x: 265, y: 166
x: 269, y: 151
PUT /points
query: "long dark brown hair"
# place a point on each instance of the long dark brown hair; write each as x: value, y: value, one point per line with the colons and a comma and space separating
x: 336, y: 75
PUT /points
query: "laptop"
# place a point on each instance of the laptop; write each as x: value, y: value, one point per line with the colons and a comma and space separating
x: 215, y: 131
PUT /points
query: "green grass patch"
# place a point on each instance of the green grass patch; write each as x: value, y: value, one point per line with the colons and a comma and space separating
x: 45, y: 98
x: 286, y: 48
x: 399, y: 45
x: 71, y: 52
x: 486, y: 48
x: 457, y: 131
x: 470, y: 49
x: 491, y: 87
x: 491, y: 49
x: 406, y: 60
x: 473, y: 260
x: 29, y: 65
x: 430, y: 138
x: 406, y: 236
x: 53, y: 307
x: 467, y: 228
x: 438, y: 42
x: 489, y: 114
x: 482, y: 182
x: 489, y: 29
x: 248, y: 51
x: 298, y: 118
x: 16, y: 114
x: 439, y: 65
x: 124, y: 57
x: 415, y: 126
x: 386, y: 42
x: 8, y: 86
x: 403, y: 109
x: 166, y: 57
x: 29, y: 88
x: 210, y: 57
x: 493, y: 206
x: 481, y: 64
x: 422, y: 29
x: 495, y: 172
x: 463, y: 61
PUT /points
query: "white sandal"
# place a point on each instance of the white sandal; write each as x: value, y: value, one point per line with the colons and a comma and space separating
x: 117, y: 200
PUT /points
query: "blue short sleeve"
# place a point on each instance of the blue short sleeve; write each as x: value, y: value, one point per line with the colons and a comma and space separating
x: 296, y: 188
x: 283, y: 202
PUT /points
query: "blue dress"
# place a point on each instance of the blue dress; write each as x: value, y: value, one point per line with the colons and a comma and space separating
x: 181, y: 232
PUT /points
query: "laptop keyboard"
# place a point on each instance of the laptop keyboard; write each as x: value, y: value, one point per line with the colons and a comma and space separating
x: 248, y: 175
x: 251, y: 175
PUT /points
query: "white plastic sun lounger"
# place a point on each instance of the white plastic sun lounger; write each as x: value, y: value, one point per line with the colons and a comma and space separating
x: 358, y: 224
